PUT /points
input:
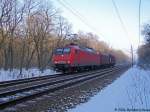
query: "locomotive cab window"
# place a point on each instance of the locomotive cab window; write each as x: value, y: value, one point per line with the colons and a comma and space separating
x: 66, y: 50
x: 59, y: 51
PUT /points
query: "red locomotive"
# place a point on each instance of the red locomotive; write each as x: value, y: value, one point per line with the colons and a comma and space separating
x: 73, y: 57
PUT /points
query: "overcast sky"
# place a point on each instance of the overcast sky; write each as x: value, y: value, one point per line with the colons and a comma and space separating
x: 101, y: 15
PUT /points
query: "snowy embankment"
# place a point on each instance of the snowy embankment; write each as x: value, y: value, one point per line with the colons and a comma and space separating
x: 128, y: 93
x: 14, y: 74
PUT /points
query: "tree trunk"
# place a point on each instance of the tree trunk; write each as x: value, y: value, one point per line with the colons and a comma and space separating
x: 22, y: 57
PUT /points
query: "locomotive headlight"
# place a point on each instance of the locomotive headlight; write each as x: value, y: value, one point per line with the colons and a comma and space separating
x: 55, y: 62
x: 68, y: 61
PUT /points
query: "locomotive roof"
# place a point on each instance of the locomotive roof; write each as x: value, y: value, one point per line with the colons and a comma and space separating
x: 82, y: 48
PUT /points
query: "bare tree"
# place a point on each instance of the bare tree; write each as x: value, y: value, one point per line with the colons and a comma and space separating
x: 11, y: 15
x: 144, y: 50
x: 40, y: 26
x: 30, y: 6
x: 146, y: 33
x: 63, y: 29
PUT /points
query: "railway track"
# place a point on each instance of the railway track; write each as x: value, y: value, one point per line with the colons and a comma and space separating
x: 12, y: 97
x: 26, y: 80
x: 5, y: 84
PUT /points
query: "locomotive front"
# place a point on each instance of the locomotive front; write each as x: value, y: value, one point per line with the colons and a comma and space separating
x: 61, y: 59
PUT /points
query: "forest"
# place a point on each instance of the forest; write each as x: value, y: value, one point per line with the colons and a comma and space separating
x: 144, y: 49
x: 31, y: 29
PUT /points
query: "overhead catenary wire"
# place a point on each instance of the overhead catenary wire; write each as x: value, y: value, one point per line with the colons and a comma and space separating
x: 125, y: 30
x: 76, y: 11
x: 121, y: 21
x: 79, y: 16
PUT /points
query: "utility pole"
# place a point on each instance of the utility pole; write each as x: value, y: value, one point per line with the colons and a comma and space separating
x: 132, y: 55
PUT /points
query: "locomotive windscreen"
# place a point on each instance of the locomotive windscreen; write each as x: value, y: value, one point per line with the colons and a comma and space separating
x: 66, y: 50
x: 62, y: 51
x: 59, y: 51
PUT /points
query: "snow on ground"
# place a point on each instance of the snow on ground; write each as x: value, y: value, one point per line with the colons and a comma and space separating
x: 128, y: 93
x: 33, y: 72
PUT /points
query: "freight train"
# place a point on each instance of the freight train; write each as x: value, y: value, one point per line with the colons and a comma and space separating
x: 73, y: 57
